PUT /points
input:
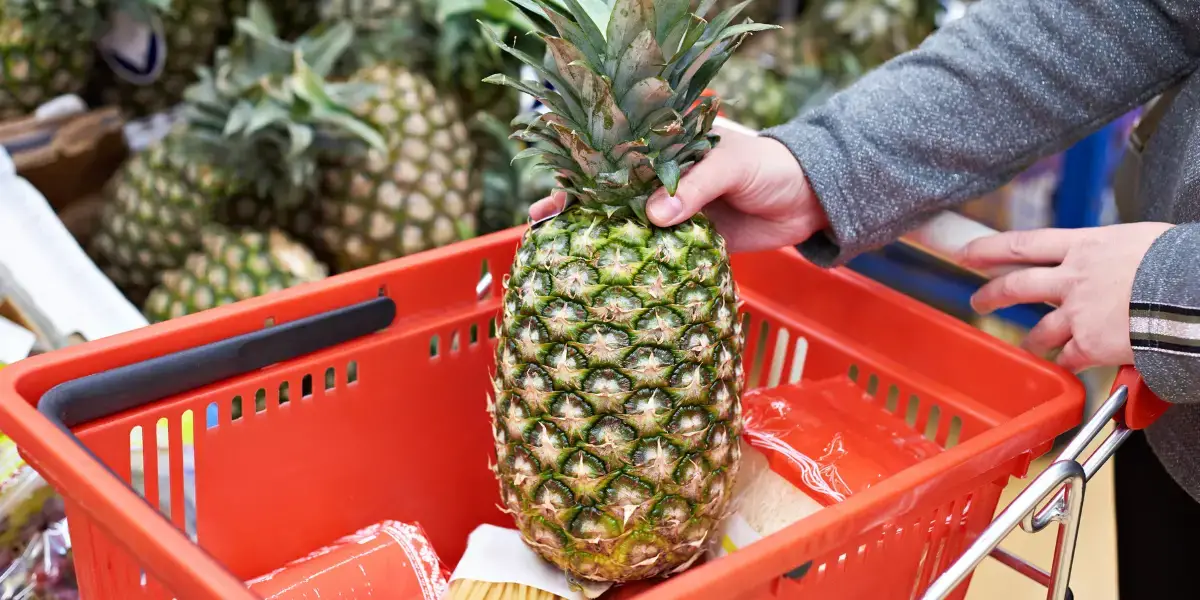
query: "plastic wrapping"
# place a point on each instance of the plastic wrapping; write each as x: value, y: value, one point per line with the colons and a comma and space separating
x: 387, y: 560
x: 44, y: 570
x: 28, y: 505
x: 35, y: 545
x: 810, y: 445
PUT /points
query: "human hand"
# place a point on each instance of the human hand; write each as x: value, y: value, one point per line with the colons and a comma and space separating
x: 751, y: 187
x: 1087, y: 274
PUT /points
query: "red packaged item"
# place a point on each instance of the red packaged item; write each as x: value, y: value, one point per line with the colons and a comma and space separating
x: 387, y: 560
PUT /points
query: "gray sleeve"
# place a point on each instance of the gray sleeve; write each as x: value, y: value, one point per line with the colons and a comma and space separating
x: 979, y: 102
x: 1164, y: 316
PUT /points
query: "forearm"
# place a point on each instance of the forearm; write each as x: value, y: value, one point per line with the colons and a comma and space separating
x: 1164, y: 312
x: 977, y: 103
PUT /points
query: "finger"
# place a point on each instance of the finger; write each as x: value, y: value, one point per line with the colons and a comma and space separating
x: 1072, y: 358
x: 720, y: 173
x: 1035, y: 284
x: 1053, y: 331
x: 1034, y: 246
x: 548, y: 206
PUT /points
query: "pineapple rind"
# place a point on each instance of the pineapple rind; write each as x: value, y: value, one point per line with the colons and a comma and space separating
x: 617, y: 413
x: 35, y: 68
x: 230, y: 266
x: 421, y: 193
x: 157, y: 205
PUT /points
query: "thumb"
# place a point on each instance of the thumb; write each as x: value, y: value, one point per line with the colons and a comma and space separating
x: 717, y: 174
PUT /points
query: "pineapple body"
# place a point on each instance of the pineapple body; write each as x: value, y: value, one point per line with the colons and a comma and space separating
x: 617, y: 412
x: 419, y: 194
x: 157, y: 206
x: 232, y: 265
x: 191, y: 30
x: 36, y: 68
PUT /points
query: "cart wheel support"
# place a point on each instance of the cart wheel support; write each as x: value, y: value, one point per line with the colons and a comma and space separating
x: 1133, y: 406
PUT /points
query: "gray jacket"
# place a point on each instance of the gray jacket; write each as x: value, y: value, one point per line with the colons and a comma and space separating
x: 988, y: 95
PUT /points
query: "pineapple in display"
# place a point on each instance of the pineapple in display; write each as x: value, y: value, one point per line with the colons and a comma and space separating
x: 232, y: 265
x: 246, y: 153
x: 157, y: 204
x: 617, y: 413
x: 753, y: 95
x: 45, y: 51
x: 419, y: 192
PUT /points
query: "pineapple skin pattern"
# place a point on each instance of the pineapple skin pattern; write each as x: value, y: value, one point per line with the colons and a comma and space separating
x: 158, y: 205
x: 617, y: 394
x: 617, y: 413
x: 35, y: 66
x: 420, y: 193
x: 232, y: 265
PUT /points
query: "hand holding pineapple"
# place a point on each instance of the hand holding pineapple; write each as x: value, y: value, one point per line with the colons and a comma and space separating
x: 751, y: 187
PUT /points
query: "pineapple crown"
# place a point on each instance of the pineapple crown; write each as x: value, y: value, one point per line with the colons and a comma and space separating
x: 623, y: 87
x: 267, y: 112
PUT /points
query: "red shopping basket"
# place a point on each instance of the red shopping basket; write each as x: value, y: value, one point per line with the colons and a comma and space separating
x: 362, y: 399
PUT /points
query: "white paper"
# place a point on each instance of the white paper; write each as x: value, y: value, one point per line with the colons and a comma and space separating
x: 16, y: 342
x: 498, y: 555
x: 52, y: 272
x: 735, y: 534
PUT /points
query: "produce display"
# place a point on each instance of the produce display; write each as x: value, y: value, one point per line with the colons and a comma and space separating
x: 45, y: 51
x: 190, y: 31
x: 616, y: 414
x: 234, y: 265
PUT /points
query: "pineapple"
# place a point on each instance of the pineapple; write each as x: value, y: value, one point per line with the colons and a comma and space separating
x: 419, y: 192
x: 617, y: 413
x: 45, y: 52
x: 761, y: 11
x: 157, y: 204
x: 246, y: 153
x: 232, y: 265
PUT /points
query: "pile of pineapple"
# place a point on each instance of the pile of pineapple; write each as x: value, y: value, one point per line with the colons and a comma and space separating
x: 311, y: 136
x: 357, y: 130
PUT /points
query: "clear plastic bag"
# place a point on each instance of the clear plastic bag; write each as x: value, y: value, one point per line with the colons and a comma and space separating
x: 808, y: 446
x: 35, y: 545
x: 44, y: 569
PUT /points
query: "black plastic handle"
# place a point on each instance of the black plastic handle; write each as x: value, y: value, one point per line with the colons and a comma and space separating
x: 101, y: 395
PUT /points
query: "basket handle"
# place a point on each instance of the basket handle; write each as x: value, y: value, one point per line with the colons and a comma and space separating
x: 80, y: 401
x: 1142, y: 406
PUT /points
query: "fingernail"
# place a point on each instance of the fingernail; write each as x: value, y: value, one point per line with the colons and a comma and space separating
x: 664, y: 209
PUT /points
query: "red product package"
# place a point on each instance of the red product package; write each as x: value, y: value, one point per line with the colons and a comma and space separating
x: 387, y: 560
